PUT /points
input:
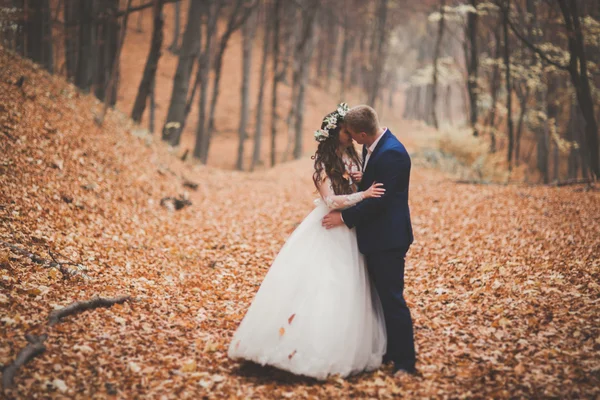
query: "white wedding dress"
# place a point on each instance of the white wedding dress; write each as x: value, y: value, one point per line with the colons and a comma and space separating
x: 316, y: 313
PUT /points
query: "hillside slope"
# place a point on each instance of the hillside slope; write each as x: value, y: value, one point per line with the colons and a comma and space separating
x: 501, y: 281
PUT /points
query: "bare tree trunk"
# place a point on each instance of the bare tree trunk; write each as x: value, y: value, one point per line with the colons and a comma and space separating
x: 331, y: 56
x: 523, y: 98
x: 237, y: 18
x: 261, y: 92
x: 190, y: 48
x: 151, y: 117
x: 344, y: 56
x: 70, y: 17
x: 572, y: 135
x: 543, y: 143
x: 436, y: 55
x: 505, y: 14
x: 20, y: 31
x: 295, y: 27
x: 288, y: 34
x: 174, y: 47
x: 449, y: 105
x: 276, y: 79
x: 579, y: 76
x: 114, y: 71
x: 248, y: 32
x: 379, y: 61
x: 495, y: 84
x: 213, y: 11
x: 305, y: 51
x: 472, y: 62
x: 140, y: 18
x: 87, y: 46
x: 39, y: 33
x: 149, y: 76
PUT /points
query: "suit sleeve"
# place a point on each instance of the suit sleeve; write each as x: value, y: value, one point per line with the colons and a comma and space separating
x: 391, y: 170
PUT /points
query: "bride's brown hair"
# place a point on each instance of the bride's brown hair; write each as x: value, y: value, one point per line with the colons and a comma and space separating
x: 328, y: 161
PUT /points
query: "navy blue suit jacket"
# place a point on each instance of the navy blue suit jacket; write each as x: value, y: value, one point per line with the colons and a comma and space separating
x: 384, y: 223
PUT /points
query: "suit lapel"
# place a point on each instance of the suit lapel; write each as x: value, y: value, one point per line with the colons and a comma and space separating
x: 385, y: 136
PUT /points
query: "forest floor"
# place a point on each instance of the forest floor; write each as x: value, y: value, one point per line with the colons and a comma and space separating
x: 502, y: 281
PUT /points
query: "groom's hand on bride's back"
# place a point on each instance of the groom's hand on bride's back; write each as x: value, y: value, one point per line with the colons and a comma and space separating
x: 333, y: 219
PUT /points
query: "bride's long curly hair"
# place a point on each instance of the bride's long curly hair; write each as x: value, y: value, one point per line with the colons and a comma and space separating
x: 329, y: 161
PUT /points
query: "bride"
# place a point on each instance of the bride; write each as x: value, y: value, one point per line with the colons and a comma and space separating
x: 316, y: 313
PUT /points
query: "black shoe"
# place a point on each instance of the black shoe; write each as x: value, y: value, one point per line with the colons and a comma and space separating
x: 409, y: 370
x: 386, y: 359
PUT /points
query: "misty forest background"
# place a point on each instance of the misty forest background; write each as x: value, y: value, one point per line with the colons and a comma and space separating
x: 244, y: 83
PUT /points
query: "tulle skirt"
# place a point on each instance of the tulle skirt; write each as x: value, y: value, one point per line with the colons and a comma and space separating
x: 316, y: 313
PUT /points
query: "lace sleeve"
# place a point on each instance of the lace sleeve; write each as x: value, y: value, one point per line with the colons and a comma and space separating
x: 336, y: 202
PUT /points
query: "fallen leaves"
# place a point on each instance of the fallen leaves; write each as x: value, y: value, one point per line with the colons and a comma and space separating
x: 501, y: 281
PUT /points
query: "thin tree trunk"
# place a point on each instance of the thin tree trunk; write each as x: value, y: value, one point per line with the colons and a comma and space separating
x: 107, y: 38
x: 212, y: 17
x: 70, y: 17
x: 149, y: 75
x: 472, y: 62
x: 276, y: 79
x: 289, y: 36
x: 579, y: 76
x: 190, y: 48
x: 140, y: 18
x: 449, y: 105
x: 380, y: 55
x: 506, y: 10
x: 344, y: 56
x: 261, y: 92
x: 87, y: 46
x: 151, y: 117
x: 331, y: 56
x: 523, y: 98
x: 495, y: 86
x: 39, y: 33
x: 114, y: 71
x: 305, y: 51
x: 248, y: 31
x: 572, y: 135
x: 174, y: 47
x: 238, y: 17
x: 436, y: 55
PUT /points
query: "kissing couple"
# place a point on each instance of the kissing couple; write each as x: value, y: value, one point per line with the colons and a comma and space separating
x: 332, y: 302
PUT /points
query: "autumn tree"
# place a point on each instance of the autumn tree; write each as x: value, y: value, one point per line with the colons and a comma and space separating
x: 148, y: 78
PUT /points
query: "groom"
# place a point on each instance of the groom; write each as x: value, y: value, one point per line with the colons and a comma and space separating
x: 383, y: 227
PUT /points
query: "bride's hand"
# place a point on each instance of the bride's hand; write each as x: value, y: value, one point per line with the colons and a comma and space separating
x: 356, y: 176
x: 376, y: 190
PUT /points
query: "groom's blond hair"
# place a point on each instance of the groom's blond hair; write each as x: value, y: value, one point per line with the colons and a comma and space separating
x: 362, y: 119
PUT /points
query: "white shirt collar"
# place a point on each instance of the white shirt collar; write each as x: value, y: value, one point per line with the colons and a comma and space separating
x: 371, y: 148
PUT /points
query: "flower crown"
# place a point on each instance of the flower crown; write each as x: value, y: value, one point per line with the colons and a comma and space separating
x: 331, y: 122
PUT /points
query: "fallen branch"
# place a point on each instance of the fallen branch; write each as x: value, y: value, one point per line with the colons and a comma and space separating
x: 81, y: 306
x: 36, y: 343
x: 32, y: 350
x: 62, y: 266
